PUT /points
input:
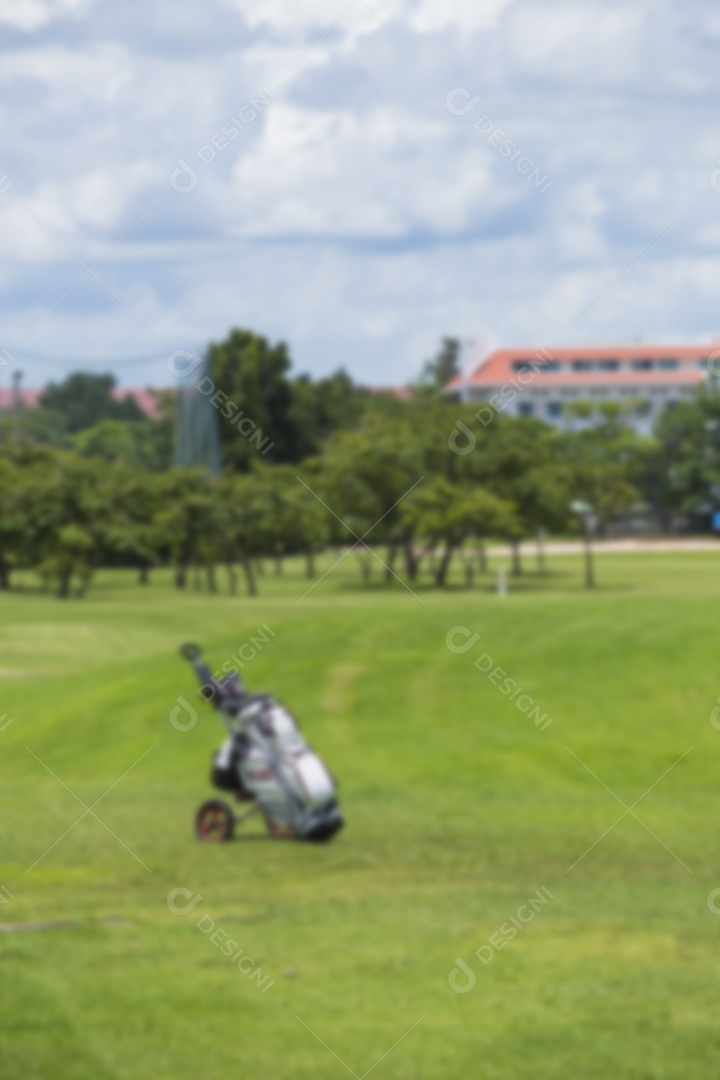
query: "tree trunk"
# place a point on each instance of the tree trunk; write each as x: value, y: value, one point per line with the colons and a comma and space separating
x: 589, y: 567
x: 540, y: 553
x: 411, y: 562
x: 64, y: 584
x: 144, y: 577
x: 433, y: 560
x: 310, y: 564
x: 211, y: 579
x: 482, y: 556
x: 4, y: 574
x: 197, y: 582
x: 365, y: 568
x: 232, y: 578
x: 180, y: 576
x: 516, y: 562
x: 278, y: 565
x: 390, y: 563
x: 85, y: 578
x: 469, y: 571
x: 249, y: 576
x: 443, y: 564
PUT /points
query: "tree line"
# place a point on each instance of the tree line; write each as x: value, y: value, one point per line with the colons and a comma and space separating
x: 391, y: 482
x: 87, y: 481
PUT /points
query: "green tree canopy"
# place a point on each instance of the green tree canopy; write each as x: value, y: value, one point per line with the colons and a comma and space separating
x: 83, y: 399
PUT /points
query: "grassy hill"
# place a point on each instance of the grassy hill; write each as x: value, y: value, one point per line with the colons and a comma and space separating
x: 459, y: 809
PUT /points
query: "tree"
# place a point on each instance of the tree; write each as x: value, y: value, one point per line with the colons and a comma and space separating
x: 311, y: 528
x: 319, y: 408
x: 184, y: 520
x: 131, y: 532
x: 145, y: 444
x: 254, y: 375
x: 365, y: 476
x: 444, y: 366
x: 447, y: 513
x: 83, y: 399
x: 248, y: 527
x: 683, y: 477
x: 601, y: 493
x: 12, y: 522
x: 514, y: 462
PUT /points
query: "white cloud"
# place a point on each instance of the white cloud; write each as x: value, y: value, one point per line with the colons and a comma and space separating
x: 355, y: 216
x: 32, y: 14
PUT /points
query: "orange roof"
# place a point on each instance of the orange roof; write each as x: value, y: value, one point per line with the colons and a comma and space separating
x: 498, y: 367
x: 31, y: 398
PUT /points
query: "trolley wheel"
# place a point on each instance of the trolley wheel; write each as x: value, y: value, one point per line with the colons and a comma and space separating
x: 214, y: 822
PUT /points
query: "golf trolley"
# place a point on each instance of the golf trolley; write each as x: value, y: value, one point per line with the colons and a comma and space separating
x: 264, y: 762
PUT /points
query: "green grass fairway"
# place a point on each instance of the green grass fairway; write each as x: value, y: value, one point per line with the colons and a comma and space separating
x: 458, y: 807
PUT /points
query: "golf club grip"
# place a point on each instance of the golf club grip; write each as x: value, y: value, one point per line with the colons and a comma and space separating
x: 203, y: 672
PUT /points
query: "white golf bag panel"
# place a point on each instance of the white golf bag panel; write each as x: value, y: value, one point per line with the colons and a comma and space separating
x: 286, y: 777
x: 309, y: 778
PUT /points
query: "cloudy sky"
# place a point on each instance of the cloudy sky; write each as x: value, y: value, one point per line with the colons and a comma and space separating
x: 356, y: 180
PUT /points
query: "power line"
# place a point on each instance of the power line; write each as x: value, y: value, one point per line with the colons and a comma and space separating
x: 21, y: 355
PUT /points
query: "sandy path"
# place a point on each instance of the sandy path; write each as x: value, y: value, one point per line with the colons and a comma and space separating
x: 620, y: 547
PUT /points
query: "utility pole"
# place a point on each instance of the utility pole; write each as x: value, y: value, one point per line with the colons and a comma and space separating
x: 585, y: 513
x: 16, y: 404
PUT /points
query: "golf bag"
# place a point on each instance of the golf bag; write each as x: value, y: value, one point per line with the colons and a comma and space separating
x: 266, y: 762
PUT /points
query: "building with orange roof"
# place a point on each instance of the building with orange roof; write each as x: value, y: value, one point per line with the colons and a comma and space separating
x: 542, y: 382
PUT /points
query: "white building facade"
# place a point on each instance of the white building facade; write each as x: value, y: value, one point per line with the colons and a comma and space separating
x: 543, y: 382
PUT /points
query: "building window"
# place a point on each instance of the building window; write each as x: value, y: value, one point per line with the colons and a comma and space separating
x: 667, y: 365
x: 553, y: 409
x: 608, y: 365
x: 642, y: 365
x: 582, y: 365
x: 550, y: 365
x: 526, y: 408
x: 521, y: 365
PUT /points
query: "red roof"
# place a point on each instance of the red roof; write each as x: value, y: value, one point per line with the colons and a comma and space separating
x: 402, y: 392
x: 31, y: 398
x: 498, y: 368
